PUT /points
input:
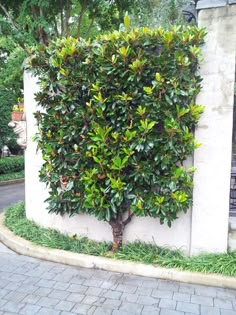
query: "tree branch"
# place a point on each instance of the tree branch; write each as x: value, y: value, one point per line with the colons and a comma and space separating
x: 89, y: 29
x: 9, y: 17
x: 67, y: 16
x: 128, y: 220
x: 82, y: 11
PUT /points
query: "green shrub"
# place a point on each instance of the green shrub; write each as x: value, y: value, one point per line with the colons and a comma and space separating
x: 117, y: 123
x: 11, y: 164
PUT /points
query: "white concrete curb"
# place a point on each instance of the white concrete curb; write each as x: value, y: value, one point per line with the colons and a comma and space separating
x: 27, y: 248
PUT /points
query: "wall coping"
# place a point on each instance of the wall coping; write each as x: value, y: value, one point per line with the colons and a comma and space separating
x: 207, y: 4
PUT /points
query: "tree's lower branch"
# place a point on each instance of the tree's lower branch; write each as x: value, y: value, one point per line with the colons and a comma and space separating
x: 128, y: 220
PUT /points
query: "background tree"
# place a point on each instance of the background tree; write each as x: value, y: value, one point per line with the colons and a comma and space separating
x: 28, y: 22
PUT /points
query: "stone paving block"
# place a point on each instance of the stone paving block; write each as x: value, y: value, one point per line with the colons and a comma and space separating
x: 203, y: 300
x: 15, y: 296
x: 77, y: 280
x: 93, y: 283
x: 90, y: 299
x: 144, y: 291
x: 48, y: 311
x: 63, y: 277
x: 46, y: 283
x: 3, y: 292
x: 57, y: 269
x: 31, y: 299
x: 65, y: 306
x: 47, y: 302
x: 109, y: 284
x: 75, y: 297
x: 30, y: 309
x: 167, y: 303
x: 148, y: 300
x: 164, y: 294
x: 206, y: 291
x: 26, y: 288
x: 150, y: 310
x: 168, y: 285
x: 61, y: 285
x: 99, y: 274
x: 111, y: 303
x: 100, y: 301
x: 2, y: 302
x: 131, y: 307
x: 17, y: 278
x: 222, y: 303
x: 186, y: 288
x: 34, y: 273
x: 209, y: 310
x: 67, y: 313
x: 171, y: 312
x: 111, y: 294
x: 182, y: 297
x: 129, y: 297
x: 126, y: 288
x: 132, y: 281
x: 12, y: 286
x: 95, y: 291
x: 12, y: 307
x: 81, y: 309
x: 116, y: 277
x: 3, y: 283
x: 234, y: 304
x: 227, y: 312
x: 85, y: 273
x: 7, y: 268
x: 43, y: 291
x: 77, y: 288
x: 188, y: 307
x: 102, y: 311
x: 59, y: 294
x: 152, y: 283
x: 47, y: 275
x: 119, y: 312
x: 31, y: 280
x: 225, y: 295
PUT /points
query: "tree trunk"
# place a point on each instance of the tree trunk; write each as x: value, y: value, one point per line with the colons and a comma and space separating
x: 118, y: 226
x: 117, y: 232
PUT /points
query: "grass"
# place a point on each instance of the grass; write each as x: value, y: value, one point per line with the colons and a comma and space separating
x: 15, y: 220
x: 11, y: 176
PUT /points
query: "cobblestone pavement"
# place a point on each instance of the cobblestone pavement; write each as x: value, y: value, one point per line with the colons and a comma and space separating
x: 30, y: 286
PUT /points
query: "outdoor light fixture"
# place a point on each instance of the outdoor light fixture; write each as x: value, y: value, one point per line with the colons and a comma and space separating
x: 190, y: 12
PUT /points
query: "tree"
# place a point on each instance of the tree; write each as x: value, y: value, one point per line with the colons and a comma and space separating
x: 117, y: 121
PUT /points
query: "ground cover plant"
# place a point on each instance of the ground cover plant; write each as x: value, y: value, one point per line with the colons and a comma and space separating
x: 117, y: 123
x: 16, y: 221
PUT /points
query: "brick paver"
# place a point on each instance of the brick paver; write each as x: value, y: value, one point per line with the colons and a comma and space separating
x: 30, y: 286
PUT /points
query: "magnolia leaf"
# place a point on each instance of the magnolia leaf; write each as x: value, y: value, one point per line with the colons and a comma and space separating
x: 126, y: 21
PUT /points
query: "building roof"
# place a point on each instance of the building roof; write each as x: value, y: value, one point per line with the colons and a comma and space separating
x: 204, y: 4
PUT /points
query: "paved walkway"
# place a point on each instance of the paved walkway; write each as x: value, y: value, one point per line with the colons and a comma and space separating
x: 30, y: 286
x: 11, y: 194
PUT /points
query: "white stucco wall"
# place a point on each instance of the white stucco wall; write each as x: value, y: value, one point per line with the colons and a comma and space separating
x: 206, y: 227
x: 145, y: 229
x: 214, y: 132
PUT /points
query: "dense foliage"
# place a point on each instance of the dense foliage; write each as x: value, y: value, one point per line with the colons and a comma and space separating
x: 27, y: 22
x: 117, y: 123
x: 11, y: 164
